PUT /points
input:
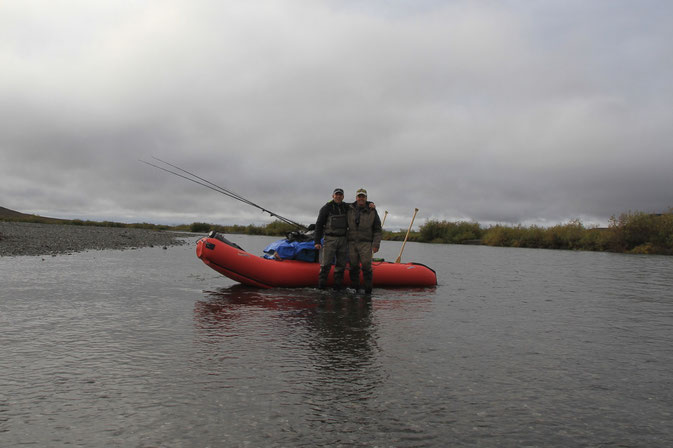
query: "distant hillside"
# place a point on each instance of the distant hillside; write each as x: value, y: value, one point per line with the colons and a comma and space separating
x: 7, y: 213
x: 12, y: 215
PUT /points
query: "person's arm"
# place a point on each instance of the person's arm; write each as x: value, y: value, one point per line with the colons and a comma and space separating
x: 320, y: 227
x: 378, y: 233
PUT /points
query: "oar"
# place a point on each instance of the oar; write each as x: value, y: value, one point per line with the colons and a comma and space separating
x: 399, y: 258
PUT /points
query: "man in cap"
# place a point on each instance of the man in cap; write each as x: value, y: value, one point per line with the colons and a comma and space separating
x: 364, y: 238
x: 332, y: 224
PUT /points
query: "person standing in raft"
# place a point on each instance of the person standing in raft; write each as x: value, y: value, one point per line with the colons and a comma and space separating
x: 332, y: 223
x: 364, y: 238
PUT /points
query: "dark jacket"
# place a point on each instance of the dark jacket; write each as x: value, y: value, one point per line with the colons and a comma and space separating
x: 364, y: 225
x: 331, y: 221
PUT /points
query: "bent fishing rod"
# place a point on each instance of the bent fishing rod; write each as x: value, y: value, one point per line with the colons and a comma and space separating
x: 206, y: 183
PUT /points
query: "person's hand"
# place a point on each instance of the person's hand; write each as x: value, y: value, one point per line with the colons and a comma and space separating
x: 375, y: 249
x: 318, y: 246
x: 372, y: 205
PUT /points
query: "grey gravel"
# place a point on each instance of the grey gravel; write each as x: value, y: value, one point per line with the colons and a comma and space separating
x: 20, y: 238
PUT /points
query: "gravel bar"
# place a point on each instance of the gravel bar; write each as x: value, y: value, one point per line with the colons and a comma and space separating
x: 20, y: 238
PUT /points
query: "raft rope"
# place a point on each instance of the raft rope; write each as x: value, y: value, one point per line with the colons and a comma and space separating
x: 206, y: 183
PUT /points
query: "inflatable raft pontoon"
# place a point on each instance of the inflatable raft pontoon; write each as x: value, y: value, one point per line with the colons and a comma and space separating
x: 230, y: 260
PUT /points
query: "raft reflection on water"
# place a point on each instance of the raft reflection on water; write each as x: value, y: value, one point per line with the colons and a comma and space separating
x: 332, y: 321
x: 320, y: 351
x: 319, y: 348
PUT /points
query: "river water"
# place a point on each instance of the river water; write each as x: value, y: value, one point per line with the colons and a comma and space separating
x: 513, y: 348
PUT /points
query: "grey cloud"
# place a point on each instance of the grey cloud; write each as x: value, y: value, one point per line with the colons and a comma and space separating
x: 494, y: 112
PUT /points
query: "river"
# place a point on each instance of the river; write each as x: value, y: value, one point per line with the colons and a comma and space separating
x: 513, y: 348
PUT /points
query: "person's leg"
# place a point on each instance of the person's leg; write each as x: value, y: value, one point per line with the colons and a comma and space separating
x: 326, y: 259
x: 365, y: 251
x: 354, y: 260
x: 340, y: 264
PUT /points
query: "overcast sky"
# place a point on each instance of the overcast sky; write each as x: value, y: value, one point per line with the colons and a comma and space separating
x: 532, y: 112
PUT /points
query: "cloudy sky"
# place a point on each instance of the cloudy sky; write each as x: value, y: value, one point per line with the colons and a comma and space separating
x: 508, y: 111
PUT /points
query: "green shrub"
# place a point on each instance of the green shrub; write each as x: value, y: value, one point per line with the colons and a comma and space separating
x: 448, y: 232
x: 499, y: 236
x: 278, y: 228
x: 642, y: 232
x: 199, y: 227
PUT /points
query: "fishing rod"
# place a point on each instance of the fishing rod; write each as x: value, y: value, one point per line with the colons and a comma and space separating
x: 206, y: 183
x: 223, y: 190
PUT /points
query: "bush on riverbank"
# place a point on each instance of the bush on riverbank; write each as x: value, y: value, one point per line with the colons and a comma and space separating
x: 276, y: 228
x: 563, y: 236
x: 135, y: 225
x: 399, y: 236
x: 35, y: 219
x: 642, y: 233
x: 632, y: 232
x: 450, y: 232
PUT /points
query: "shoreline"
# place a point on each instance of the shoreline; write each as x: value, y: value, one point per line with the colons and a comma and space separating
x: 34, y: 239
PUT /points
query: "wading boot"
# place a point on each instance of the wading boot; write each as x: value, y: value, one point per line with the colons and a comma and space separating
x: 338, y: 280
x: 355, y: 280
x: 322, y: 277
x: 368, y: 282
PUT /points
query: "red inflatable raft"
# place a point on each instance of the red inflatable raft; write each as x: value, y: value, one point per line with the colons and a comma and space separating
x: 232, y: 261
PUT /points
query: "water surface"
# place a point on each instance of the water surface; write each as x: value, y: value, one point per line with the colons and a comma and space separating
x: 514, y: 347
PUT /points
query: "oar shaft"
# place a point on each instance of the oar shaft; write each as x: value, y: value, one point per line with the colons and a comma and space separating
x: 399, y: 258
